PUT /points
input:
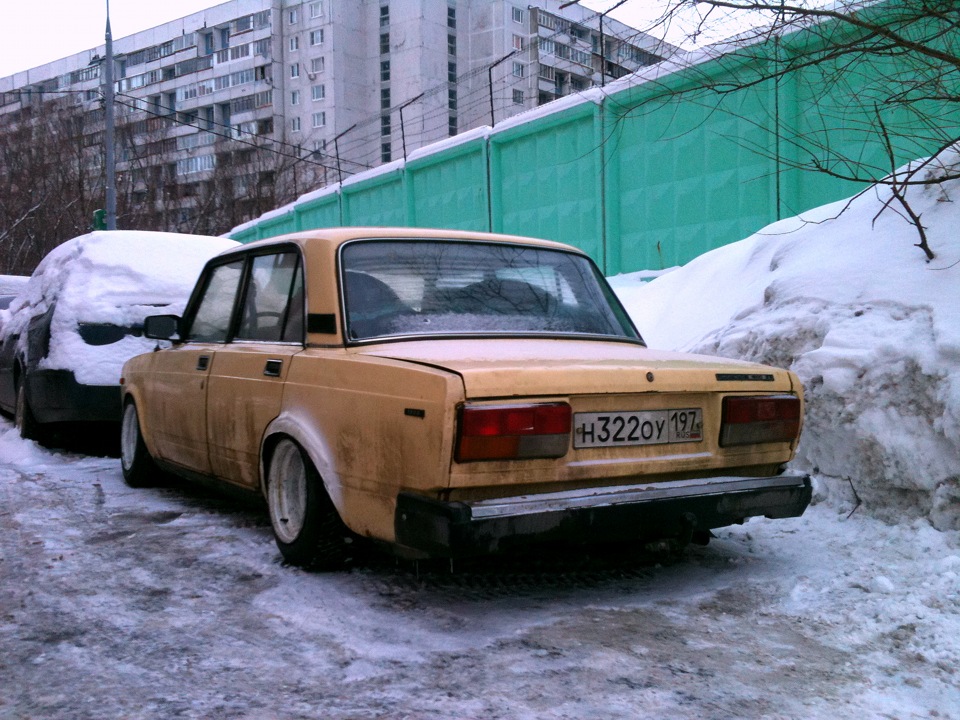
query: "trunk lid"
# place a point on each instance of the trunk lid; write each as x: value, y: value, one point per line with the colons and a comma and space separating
x: 531, y: 367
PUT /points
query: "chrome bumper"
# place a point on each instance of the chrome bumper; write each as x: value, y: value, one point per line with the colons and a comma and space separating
x: 643, y: 511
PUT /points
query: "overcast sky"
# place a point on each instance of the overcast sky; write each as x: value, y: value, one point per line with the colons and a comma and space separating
x: 46, y: 30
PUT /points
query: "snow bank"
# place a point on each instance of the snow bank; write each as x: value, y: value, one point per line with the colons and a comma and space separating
x: 117, y: 277
x: 842, y: 297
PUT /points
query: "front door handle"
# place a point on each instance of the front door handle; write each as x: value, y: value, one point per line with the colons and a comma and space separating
x: 272, y: 368
x: 203, y: 362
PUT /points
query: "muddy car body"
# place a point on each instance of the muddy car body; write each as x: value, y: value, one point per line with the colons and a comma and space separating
x: 451, y: 393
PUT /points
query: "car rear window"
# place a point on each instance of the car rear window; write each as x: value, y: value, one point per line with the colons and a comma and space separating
x: 445, y: 287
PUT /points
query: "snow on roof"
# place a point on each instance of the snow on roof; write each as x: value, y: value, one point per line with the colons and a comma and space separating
x: 12, y: 284
x: 116, y: 277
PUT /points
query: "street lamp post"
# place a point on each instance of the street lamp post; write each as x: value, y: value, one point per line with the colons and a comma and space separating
x: 110, y: 161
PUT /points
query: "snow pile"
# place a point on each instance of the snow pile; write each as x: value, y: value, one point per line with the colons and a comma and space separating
x: 115, y: 278
x: 842, y: 297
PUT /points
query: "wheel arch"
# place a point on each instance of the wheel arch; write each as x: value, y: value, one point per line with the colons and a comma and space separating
x: 312, y: 442
x: 132, y: 395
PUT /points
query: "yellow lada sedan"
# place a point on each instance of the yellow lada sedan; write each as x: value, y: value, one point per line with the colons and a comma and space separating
x: 448, y: 394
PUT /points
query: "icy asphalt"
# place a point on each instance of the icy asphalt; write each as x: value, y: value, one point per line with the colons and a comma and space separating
x: 172, y: 603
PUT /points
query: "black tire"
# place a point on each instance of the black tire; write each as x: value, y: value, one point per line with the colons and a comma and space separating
x: 306, y: 525
x: 23, y: 417
x: 139, y: 469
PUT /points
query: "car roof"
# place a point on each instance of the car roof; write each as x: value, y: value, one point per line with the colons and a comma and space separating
x: 336, y: 236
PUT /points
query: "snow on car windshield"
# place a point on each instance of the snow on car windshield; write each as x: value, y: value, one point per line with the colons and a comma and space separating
x: 426, y: 287
x: 109, y: 279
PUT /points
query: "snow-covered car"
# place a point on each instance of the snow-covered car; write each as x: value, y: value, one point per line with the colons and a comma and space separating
x: 451, y: 393
x: 72, y: 325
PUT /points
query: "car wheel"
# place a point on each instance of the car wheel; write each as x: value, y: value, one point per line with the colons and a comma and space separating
x: 139, y: 469
x: 23, y: 417
x: 307, y: 527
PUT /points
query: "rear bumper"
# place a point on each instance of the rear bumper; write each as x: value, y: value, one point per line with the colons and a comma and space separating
x: 636, y: 512
x: 56, y: 396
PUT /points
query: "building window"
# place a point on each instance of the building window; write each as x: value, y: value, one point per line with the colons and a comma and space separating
x: 452, y: 125
x: 316, y: 37
x: 384, y: 16
x: 295, y: 124
x: 386, y: 153
x: 518, y: 69
x: 319, y: 146
x: 452, y: 18
x: 384, y: 43
x: 385, y: 71
x: 293, y: 17
x: 518, y: 15
x: 451, y: 72
x: 294, y: 43
x: 518, y: 42
x: 319, y: 119
x: 385, y: 98
x: 451, y: 44
x: 385, y: 125
x: 295, y: 97
x: 452, y: 99
x: 518, y: 97
x: 318, y: 92
x: 295, y: 70
x: 316, y: 9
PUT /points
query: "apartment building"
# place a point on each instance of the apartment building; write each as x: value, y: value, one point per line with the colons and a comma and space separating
x: 243, y: 106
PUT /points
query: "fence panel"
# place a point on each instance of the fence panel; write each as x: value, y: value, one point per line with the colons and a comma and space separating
x: 686, y: 172
x: 449, y: 189
x: 545, y: 179
x: 376, y: 201
x: 319, y: 213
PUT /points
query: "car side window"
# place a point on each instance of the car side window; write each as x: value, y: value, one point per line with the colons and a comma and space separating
x: 211, y: 322
x: 273, y: 302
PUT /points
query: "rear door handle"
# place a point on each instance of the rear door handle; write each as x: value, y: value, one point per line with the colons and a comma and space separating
x: 272, y: 368
x: 203, y: 362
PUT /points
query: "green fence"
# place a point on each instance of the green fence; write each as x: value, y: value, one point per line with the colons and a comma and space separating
x: 647, y: 175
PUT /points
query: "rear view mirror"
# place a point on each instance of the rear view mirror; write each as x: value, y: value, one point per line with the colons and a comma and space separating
x: 162, y: 327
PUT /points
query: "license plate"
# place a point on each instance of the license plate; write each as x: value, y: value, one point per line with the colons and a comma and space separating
x: 646, y: 427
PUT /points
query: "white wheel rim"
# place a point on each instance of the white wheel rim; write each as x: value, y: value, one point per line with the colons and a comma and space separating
x: 287, y: 492
x: 129, y: 435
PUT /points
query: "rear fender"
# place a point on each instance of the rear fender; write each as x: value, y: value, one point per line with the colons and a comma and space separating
x: 313, y: 443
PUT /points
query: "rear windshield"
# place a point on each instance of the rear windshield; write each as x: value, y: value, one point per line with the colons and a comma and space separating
x: 425, y: 287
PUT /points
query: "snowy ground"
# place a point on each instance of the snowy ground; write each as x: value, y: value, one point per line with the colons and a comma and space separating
x: 169, y: 602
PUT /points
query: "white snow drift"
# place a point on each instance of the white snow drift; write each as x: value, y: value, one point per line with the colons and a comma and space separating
x: 842, y: 296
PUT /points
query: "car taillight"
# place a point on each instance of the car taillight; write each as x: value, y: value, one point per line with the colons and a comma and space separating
x: 513, y: 432
x: 748, y: 420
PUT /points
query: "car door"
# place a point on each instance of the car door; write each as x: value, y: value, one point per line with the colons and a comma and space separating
x: 246, y: 381
x: 177, y: 383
